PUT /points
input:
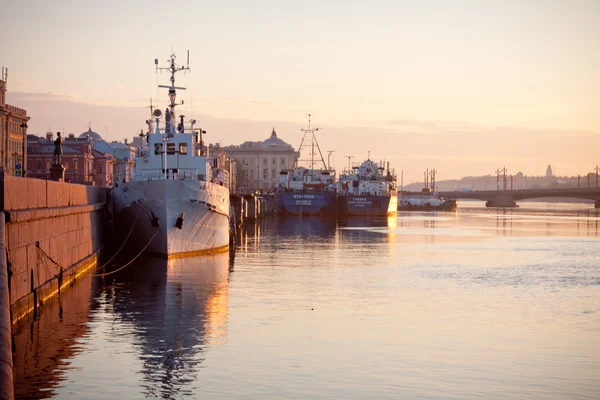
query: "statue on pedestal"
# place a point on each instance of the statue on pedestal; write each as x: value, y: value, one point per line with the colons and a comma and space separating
x: 57, y: 149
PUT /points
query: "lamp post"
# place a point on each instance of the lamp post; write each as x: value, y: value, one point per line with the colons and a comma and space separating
x: 201, y: 132
x: 75, y: 169
x: 23, y: 161
x: 4, y: 152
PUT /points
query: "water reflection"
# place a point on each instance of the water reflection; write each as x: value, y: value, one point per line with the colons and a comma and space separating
x: 360, y: 229
x: 174, y: 309
x: 45, y: 344
x: 304, y: 226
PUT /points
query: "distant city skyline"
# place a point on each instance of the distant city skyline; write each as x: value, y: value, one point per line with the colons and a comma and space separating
x: 463, y: 86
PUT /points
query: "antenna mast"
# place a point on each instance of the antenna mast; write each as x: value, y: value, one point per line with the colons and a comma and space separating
x: 172, y: 69
x: 313, y: 142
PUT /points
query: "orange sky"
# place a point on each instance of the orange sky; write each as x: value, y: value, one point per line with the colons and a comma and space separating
x: 462, y: 86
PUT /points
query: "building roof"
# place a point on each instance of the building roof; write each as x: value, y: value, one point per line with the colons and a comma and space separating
x: 101, y: 154
x: 89, y: 134
x: 49, y: 149
x: 120, y: 146
x: 272, y: 143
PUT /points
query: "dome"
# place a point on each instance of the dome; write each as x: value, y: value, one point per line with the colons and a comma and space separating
x: 93, y: 136
x: 274, y: 141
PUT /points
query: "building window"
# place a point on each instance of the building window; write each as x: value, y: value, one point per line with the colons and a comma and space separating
x: 182, y: 148
x: 99, y: 169
x: 274, y: 161
x: 283, y: 161
x: 274, y: 174
x: 265, y: 161
x: 39, y: 165
x: 47, y: 164
x: 75, y: 165
x: 170, y: 148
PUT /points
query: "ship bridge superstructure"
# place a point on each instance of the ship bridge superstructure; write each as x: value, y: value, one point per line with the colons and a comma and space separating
x: 172, y: 148
x: 368, y: 178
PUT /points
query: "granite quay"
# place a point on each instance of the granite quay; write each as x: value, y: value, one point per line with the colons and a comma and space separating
x: 52, y: 234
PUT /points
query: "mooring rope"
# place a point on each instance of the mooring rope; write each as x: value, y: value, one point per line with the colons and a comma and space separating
x: 124, y: 241
x: 130, y: 231
x: 134, y: 258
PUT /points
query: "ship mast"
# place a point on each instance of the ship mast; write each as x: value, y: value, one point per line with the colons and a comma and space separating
x: 170, y: 114
x: 313, y: 141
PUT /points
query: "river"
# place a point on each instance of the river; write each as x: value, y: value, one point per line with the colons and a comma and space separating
x: 477, y: 303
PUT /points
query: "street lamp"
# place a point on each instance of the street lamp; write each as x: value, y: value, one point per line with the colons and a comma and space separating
x: 75, y: 168
x: 3, y: 152
x: 201, y: 132
x: 23, y: 161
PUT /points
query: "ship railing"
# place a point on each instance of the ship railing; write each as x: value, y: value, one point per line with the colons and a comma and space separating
x: 180, y: 174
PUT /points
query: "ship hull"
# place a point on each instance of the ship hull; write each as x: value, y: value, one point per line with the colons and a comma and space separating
x: 173, y: 218
x: 367, y: 205
x: 303, y: 203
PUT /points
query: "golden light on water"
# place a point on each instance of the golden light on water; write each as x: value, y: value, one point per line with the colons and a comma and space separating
x: 216, y: 313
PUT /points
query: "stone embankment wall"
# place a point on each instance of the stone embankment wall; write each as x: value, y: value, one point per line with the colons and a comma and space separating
x: 52, y: 233
x: 49, y: 228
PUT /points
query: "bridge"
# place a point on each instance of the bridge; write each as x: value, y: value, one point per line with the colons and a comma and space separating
x: 509, y: 198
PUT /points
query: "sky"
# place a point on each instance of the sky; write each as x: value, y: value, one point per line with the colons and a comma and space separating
x: 465, y: 87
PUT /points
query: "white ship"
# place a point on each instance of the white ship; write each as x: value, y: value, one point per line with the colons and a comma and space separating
x: 177, y: 203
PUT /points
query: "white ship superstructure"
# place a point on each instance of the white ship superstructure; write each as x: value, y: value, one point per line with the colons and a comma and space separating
x: 178, y: 200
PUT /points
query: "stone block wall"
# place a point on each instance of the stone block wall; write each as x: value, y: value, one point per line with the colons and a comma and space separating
x: 50, y: 228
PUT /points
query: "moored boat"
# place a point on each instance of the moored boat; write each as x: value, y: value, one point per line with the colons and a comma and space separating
x: 426, y: 200
x: 306, y: 190
x: 369, y: 190
x: 177, y: 203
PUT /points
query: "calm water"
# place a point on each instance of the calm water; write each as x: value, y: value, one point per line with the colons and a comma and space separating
x: 480, y: 303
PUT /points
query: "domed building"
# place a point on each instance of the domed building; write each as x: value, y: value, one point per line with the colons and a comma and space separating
x: 258, y: 163
x: 91, y: 135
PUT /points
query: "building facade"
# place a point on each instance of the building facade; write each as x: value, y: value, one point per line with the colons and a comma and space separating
x: 83, y: 163
x: 259, y: 163
x: 13, y: 135
x: 76, y: 158
x: 123, y: 156
x: 217, y: 157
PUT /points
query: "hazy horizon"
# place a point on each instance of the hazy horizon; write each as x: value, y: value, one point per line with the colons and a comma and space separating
x: 465, y: 87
